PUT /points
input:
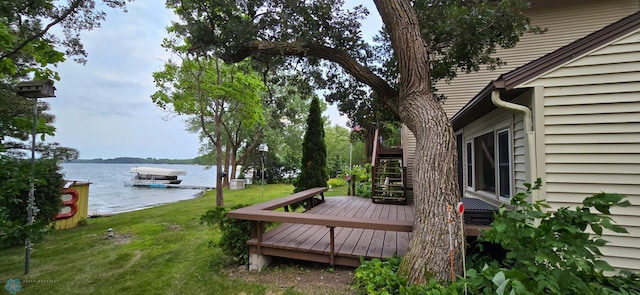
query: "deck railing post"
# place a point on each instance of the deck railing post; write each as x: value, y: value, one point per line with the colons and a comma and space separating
x: 256, y: 232
x: 332, y: 244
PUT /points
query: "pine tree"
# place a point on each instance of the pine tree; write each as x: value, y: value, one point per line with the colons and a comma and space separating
x: 314, y: 152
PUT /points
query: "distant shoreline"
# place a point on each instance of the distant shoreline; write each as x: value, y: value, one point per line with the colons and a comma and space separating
x: 131, y: 160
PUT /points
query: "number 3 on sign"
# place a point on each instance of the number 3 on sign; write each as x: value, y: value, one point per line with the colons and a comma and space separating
x: 69, y: 200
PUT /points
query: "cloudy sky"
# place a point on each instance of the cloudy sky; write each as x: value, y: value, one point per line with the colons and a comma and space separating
x: 103, y: 108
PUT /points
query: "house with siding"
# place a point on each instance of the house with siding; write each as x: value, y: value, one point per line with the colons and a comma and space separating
x: 565, y: 108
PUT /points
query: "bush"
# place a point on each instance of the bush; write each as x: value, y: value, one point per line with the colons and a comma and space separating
x: 361, y: 173
x: 555, y: 257
x: 14, y: 192
x: 381, y: 277
x: 336, y: 182
x: 234, y: 233
x: 378, y: 277
x: 363, y: 189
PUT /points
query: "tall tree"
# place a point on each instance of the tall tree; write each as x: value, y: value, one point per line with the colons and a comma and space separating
x: 313, y: 170
x: 219, y: 98
x: 426, y: 41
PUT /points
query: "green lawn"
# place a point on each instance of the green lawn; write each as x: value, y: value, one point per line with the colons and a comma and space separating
x: 161, y: 250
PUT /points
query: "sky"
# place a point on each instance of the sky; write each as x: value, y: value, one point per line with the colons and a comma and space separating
x: 104, y: 109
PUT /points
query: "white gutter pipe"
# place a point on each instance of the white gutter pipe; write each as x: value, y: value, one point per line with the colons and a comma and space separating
x: 529, y: 138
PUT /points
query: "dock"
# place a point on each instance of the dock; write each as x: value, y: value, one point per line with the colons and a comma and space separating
x: 162, y: 185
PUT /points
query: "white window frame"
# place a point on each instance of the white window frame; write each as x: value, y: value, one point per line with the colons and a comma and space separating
x: 470, y: 172
x: 497, y: 129
x: 510, y: 164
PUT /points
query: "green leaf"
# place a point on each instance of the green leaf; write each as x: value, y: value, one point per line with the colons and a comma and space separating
x: 596, y: 229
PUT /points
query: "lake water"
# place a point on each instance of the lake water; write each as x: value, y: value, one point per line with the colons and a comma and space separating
x: 108, y: 194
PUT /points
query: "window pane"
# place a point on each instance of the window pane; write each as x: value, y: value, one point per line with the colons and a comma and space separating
x: 460, y: 164
x: 504, y: 176
x: 485, y: 162
x: 469, y: 164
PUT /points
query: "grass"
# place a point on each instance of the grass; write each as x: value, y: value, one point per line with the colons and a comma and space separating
x: 160, y: 250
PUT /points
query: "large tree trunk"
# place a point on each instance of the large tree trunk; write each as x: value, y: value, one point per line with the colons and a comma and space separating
x: 434, y: 177
x: 434, y: 186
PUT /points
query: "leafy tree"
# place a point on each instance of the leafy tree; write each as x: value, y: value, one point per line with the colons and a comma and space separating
x: 425, y: 41
x: 313, y: 170
x: 219, y: 98
x: 28, y: 50
x: 340, y: 149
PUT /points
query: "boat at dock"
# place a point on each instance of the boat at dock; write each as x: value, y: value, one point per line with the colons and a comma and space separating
x: 151, y: 176
x: 154, y: 177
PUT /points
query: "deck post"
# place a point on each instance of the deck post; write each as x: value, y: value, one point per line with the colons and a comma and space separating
x: 332, y: 243
x: 259, y: 235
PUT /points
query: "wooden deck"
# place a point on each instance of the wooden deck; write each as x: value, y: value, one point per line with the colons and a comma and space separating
x: 313, y: 242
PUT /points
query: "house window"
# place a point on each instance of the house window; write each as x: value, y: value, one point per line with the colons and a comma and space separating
x: 489, y: 163
x: 460, y: 163
x: 470, y: 164
x: 485, y: 162
x: 504, y: 164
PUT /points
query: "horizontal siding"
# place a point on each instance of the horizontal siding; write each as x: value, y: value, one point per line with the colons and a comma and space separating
x: 591, y: 159
x: 609, y: 168
x: 591, y: 98
x: 612, y: 148
x: 592, y: 137
x: 566, y: 22
x: 519, y: 154
x: 624, y: 127
x: 573, y: 198
x: 610, y: 179
x: 409, y: 144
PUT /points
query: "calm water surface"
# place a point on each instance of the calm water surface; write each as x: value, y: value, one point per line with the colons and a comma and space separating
x: 108, y: 194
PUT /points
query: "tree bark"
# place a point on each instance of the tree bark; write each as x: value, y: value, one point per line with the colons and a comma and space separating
x: 434, y: 177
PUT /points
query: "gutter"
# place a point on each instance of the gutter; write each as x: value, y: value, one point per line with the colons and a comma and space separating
x: 529, y: 138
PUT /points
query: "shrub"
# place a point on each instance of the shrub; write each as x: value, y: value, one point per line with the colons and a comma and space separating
x: 378, y: 277
x: 362, y: 173
x: 234, y: 233
x: 555, y: 257
x: 14, y: 192
x: 363, y: 189
x: 336, y: 182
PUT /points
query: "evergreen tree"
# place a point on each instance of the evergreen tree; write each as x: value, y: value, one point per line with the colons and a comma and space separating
x: 314, y: 152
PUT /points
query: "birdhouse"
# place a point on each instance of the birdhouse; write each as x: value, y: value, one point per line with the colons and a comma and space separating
x: 36, y: 89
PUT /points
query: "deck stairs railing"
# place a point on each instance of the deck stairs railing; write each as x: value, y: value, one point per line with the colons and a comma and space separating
x: 388, y: 174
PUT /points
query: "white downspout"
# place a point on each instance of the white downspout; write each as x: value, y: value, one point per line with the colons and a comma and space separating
x: 529, y: 138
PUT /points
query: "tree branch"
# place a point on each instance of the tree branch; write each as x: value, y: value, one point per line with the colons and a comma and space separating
x: 360, y: 72
x: 74, y: 5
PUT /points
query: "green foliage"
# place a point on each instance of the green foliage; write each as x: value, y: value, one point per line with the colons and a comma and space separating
x: 364, y: 189
x: 313, y: 171
x: 550, y: 252
x: 336, y: 182
x: 363, y: 179
x: 14, y: 192
x: 378, y: 277
x: 234, y: 233
x: 362, y: 173
x: 381, y: 277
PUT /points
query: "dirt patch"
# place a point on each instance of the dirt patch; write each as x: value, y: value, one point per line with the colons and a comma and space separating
x: 305, y: 277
